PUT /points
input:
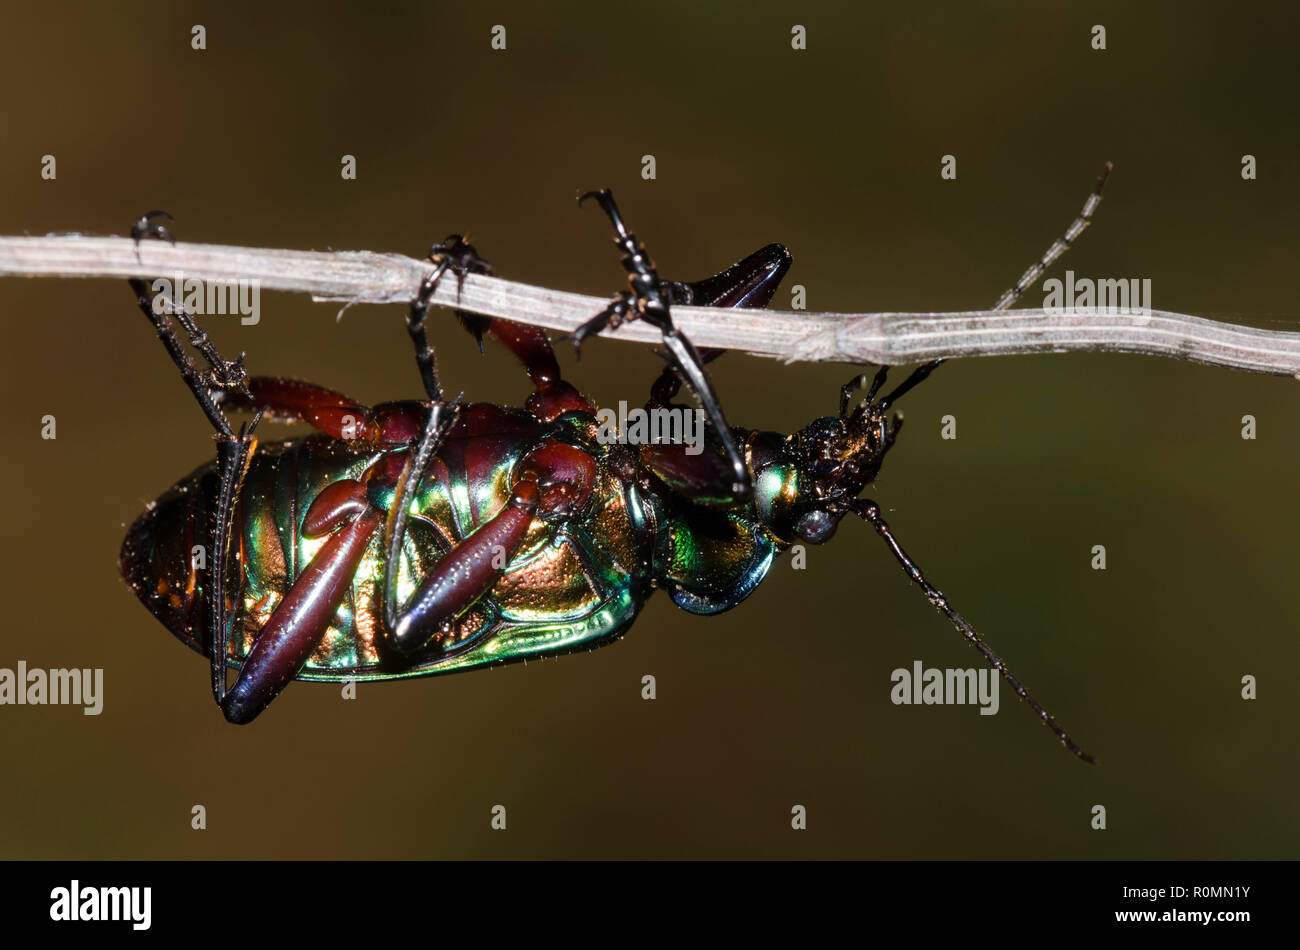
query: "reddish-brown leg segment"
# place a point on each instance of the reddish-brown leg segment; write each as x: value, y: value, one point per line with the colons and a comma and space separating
x: 554, y: 480
x: 292, y: 400
x: 748, y: 284
x: 529, y: 344
x: 465, y: 573
x: 298, y: 624
x: 552, y: 396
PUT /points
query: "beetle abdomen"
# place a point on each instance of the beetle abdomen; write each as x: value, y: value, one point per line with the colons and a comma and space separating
x: 565, y: 589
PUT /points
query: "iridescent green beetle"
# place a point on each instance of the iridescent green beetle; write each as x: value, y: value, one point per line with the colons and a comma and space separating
x: 419, y: 538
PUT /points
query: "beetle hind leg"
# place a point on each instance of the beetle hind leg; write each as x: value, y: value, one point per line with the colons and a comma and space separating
x: 234, y: 449
x: 554, y: 481
x: 299, y: 623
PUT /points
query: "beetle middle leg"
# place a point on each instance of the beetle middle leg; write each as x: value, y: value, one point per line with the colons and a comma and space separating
x: 750, y: 284
x: 551, y: 395
x: 458, y: 256
x: 552, y: 479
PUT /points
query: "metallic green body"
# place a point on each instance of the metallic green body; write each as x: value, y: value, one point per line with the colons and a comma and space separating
x: 574, y: 585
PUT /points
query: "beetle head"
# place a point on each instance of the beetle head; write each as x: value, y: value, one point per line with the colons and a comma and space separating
x: 837, y: 457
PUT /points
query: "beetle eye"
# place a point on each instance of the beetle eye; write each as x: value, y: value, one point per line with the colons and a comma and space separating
x: 817, y: 527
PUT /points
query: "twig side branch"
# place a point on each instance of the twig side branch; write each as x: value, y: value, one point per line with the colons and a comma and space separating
x: 880, y: 338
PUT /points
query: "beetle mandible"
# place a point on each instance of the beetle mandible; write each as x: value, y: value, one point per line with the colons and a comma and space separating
x: 422, y: 537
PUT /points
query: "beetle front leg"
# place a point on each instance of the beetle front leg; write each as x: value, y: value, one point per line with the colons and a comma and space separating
x: 650, y: 299
x: 706, y: 478
x: 748, y: 284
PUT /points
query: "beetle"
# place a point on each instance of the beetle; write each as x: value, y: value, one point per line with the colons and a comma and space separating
x: 416, y: 538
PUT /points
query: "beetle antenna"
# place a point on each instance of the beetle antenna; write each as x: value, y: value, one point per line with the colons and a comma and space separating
x: 1027, y: 279
x: 1059, y: 246
x: 869, y: 511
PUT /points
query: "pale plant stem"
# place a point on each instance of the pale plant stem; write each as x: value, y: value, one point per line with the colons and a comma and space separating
x: 880, y: 338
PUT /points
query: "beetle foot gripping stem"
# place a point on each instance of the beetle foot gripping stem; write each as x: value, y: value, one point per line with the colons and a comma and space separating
x: 458, y: 256
x: 222, y: 375
x: 647, y: 291
x: 454, y: 254
x: 144, y: 227
x: 869, y: 511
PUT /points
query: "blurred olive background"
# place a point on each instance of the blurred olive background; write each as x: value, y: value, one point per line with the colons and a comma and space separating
x: 835, y: 151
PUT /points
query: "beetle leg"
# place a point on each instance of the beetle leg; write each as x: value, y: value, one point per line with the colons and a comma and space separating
x: 462, y: 576
x: 751, y: 283
x: 649, y: 300
x: 551, y: 395
x: 234, y: 451
x: 748, y: 284
x: 454, y: 254
x: 223, y: 375
x: 299, y: 622
x: 669, y: 382
x: 554, y: 481
x: 292, y: 400
x: 530, y: 345
x: 704, y: 478
x: 613, y: 316
x: 337, y: 415
x: 233, y: 457
x: 441, y: 418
